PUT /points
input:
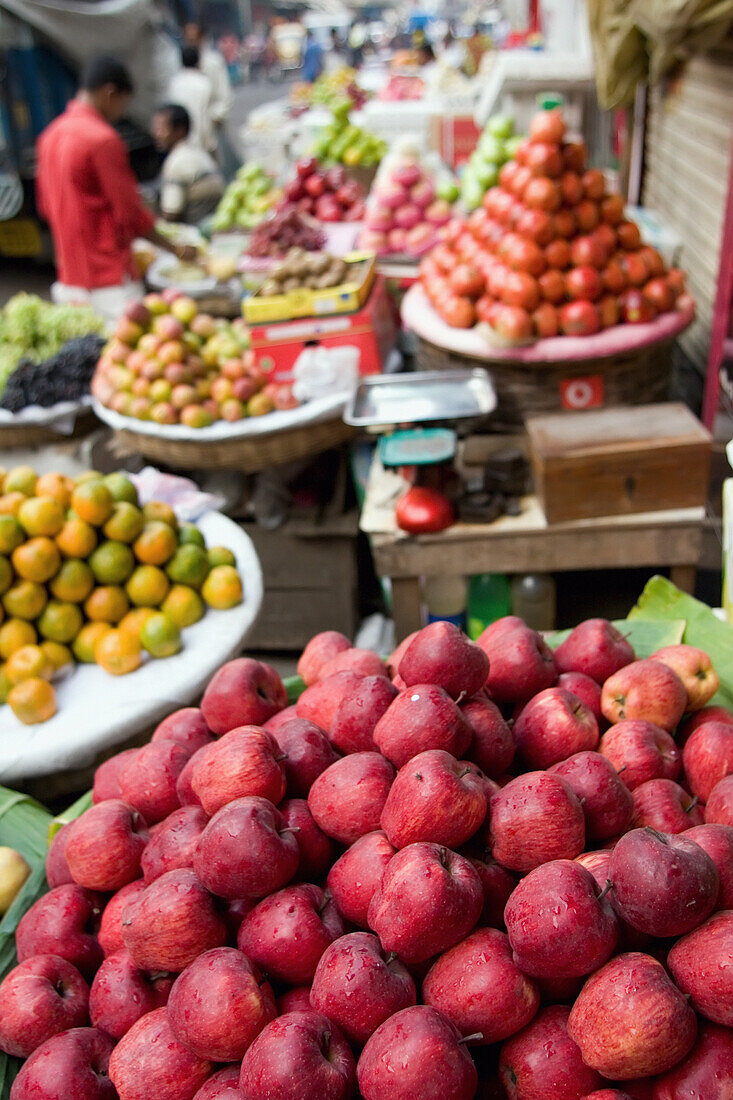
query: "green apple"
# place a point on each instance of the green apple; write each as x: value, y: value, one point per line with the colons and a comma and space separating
x: 472, y: 192
x: 448, y: 190
x: 487, y: 174
x: 512, y: 144
x: 492, y: 148
x: 501, y: 126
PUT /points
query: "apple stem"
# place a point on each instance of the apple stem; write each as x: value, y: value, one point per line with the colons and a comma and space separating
x: 621, y: 769
x: 470, y: 1038
x: 606, y: 888
x: 390, y: 958
x: 692, y: 804
x: 279, y: 759
x: 466, y: 771
x: 290, y: 829
x: 657, y: 834
x: 460, y: 698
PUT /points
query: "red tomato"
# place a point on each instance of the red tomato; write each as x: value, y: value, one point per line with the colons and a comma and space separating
x: 484, y: 309
x: 572, y: 188
x: 612, y: 209
x: 587, y: 252
x: 579, y: 319
x: 573, y: 155
x: 660, y: 294
x: 586, y: 213
x: 452, y: 230
x: 466, y: 281
x: 546, y: 320
x: 521, y: 151
x: 520, y: 179
x: 537, y: 225
x: 504, y: 206
x: 542, y: 193
x: 583, y: 282
x: 423, y: 511
x: 557, y: 253
x: 613, y: 278
x: 506, y: 174
x: 547, y: 126
x: 458, y: 312
x: 635, y: 269
x: 491, y: 200
x: 467, y: 246
x: 677, y: 280
x: 607, y: 236
x: 444, y: 257
x: 594, y: 184
x: 429, y: 268
x: 544, y: 159
x: 564, y: 223
x: 497, y: 280
x: 609, y: 311
x: 524, y: 255
x: 636, y: 309
x: 522, y: 290
x: 629, y: 236
x: 512, y: 322
x: 552, y: 285
x: 654, y: 263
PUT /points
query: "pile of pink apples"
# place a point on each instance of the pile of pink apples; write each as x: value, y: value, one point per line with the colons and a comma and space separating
x: 404, y: 210
x: 473, y: 870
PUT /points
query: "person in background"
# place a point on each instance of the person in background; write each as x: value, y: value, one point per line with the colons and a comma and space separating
x: 86, y: 191
x: 191, y: 89
x: 191, y: 184
x: 312, y: 57
x: 212, y: 65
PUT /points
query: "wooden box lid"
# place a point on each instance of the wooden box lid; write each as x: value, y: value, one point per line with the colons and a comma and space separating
x: 600, y: 431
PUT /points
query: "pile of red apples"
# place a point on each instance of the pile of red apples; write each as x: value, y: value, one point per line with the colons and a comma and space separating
x: 472, y: 870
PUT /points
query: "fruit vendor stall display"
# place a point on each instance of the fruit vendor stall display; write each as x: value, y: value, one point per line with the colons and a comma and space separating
x: 247, y: 200
x: 476, y: 851
x: 341, y: 142
x: 329, y: 90
x: 325, y: 193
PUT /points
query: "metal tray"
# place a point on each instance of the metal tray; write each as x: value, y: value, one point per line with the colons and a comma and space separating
x: 386, y: 399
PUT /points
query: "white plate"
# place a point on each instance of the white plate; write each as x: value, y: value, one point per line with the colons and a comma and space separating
x: 98, y: 711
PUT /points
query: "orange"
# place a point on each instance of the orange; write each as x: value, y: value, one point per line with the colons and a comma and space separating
x: 5, y: 685
x: 135, y: 619
x: 222, y: 588
x: 59, y: 655
x: 6, y: 575
x: 107, y: 604
x: 112, y: 563
x: 221, y: 555
x: 125, y: 523
x: 60, y: 622
x: 118, y: 652
x: 148, y: 586
x: 29, y: 660
x: 76, y: 539
x: 92, y: 502
x: 14, y: 634
x: 57, y: 486
x: 160, y: 636
x: 189, y: 565
x: 41, y: 516
x: 37, y: 560
x: 11, y: 533
x: 189, y: 532
x: 160, y: 511
x: 86, y: 639
x: 10, y: 503
x: 73, y: 582
x: 32, y: 701
x: 183, y: 605
x: 121, y: 488
x: 20, y: 479
x: 25, y: 600
x: 156, y: 544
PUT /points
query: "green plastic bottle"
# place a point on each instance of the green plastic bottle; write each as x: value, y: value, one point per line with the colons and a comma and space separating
x: 489, y: 599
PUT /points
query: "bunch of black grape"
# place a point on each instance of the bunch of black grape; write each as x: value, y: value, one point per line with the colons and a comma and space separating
x: 65, y: 376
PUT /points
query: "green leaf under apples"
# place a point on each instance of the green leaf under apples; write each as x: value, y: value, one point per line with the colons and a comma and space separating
x: 646, y: 636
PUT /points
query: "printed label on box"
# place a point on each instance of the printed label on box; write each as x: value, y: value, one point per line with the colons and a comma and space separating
x: 582, y: 393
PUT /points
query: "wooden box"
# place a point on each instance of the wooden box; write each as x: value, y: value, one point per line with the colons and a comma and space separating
x: 612, y: 462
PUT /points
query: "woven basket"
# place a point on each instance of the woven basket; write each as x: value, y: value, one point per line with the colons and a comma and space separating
x: 246, y: 454
x: 35, y: 435
x: 638, y: 377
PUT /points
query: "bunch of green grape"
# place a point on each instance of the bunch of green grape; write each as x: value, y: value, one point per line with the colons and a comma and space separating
x: 31, y: 328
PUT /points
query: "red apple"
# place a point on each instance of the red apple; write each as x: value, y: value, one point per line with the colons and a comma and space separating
x: 542, y: 1061
x: 347, y: 799
x: 717, y: 841
x: 319, y: 651
x: 246, y: 850
x: 435, y: 798
x: 107, y: 776
x: 692, y: 721
x: 451, y: 899
x: 299, y: 1056
x: 355, y: 876
x: 121, y: 993
x: 171, y: 922
x: 496, y: 882
x: 241, y: 693
x: 416, y: 1052
x: 315, y: 848
x: 607, y: 803
x: 520, y: 663
x: 220, y: 977
x: 700, y: 964
x: 362, y: 662
x: 630, y: 1020
x: 320, y: 702
x: 586, y: 689
x: 708, y: 1066
x: 272, y: 725
x: 222, y: 1085
x: 695, y: 670
x: 708, y: 757
x: 150, y: 1052
x: 69, y: 1066
x: 187, y: 727
x: 479, y: 987
x: 393, y: 661
x: 358, y: 987
x: 645, y: 689
x: 63, y: 922
x: 552, y: 726
x: 148, y: 780
x: 596, y: 648
x: 110, y: 928
x: 287, y: 933
x: 492, y: 744
x: 664, y: 805
x: 441, y: 654
x: 421, y: 717
x: 352, y: 728
x: 40, y: 997
x: 57, y: 866
x: 295, y: 1000
x: 640, y: 751
x: 533, y: 819
x: 173, y: 843
x: 246, y: 761
x: 719, y: 809
x: 307, y: 752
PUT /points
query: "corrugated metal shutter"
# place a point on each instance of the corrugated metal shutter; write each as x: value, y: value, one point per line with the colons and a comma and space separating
x: 688, y: 144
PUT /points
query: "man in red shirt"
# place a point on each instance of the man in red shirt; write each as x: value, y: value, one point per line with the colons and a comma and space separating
x: 87, y: 192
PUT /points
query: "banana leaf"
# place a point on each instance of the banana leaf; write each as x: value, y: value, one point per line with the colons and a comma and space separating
x: 295, y: 688
x: 645, y: 636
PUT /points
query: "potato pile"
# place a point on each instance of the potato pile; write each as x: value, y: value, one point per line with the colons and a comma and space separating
x: 315, y: 270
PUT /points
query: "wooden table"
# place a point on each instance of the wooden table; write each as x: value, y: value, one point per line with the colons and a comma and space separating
x: 521, y: 544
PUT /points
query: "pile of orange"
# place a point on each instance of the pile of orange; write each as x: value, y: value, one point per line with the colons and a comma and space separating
x: 88, y: 574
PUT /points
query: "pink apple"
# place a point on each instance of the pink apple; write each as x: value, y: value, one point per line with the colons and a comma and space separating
x: 171, y: 922
x: 150, y: 1052
x: 246, y: 761
x: 352, y: 728
x: 695, y: 670
x: 708, y: 1066
x: 416, y: 1052
x: 700, y: 964
x: 357, y: 986
x: 243, y: 692
x: 717, y: 841
x: 110, y: 928
x: 552, y: 726
x: 664, y: 805
x: 586, y: 689
x: 492, y: 744
x: 607, y: 803
x: 220, y: 977
x: 451, y: 899
x: 630, y: 1020
x: 307, y: 752
x: 57, y: 866
x: 421, y: 717
x: 645, y: 689
x: 315, y: 848
x: 497, y: 884
x: 121, y: 993
x: 436, y: 798
x: 441, y: 654
x: 40, y: 997
x: 320, y: 702
x: 222, y: 1085
x: 69, y: 1066
x: 479, y: 987
x: 719, y: 808
x: 356, y: 875
x: 347, y: 799
x: 107, y: 776
x: 63, y: 922
x: 542, y: 1061
x: 533, y: 819
x: 319, y: 651
x: 520, y: 663
x: 640, y: 751
x: 187, y: 727
x: 299, y: 1056
x: 596, y: 648
x: 246, y: 850
x: 287, y: 933
x: 708, y: 757
x: 174, y: 842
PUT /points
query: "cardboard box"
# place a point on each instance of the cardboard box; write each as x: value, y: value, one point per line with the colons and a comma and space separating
x: 307, y: 302
x: 612, y: 462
